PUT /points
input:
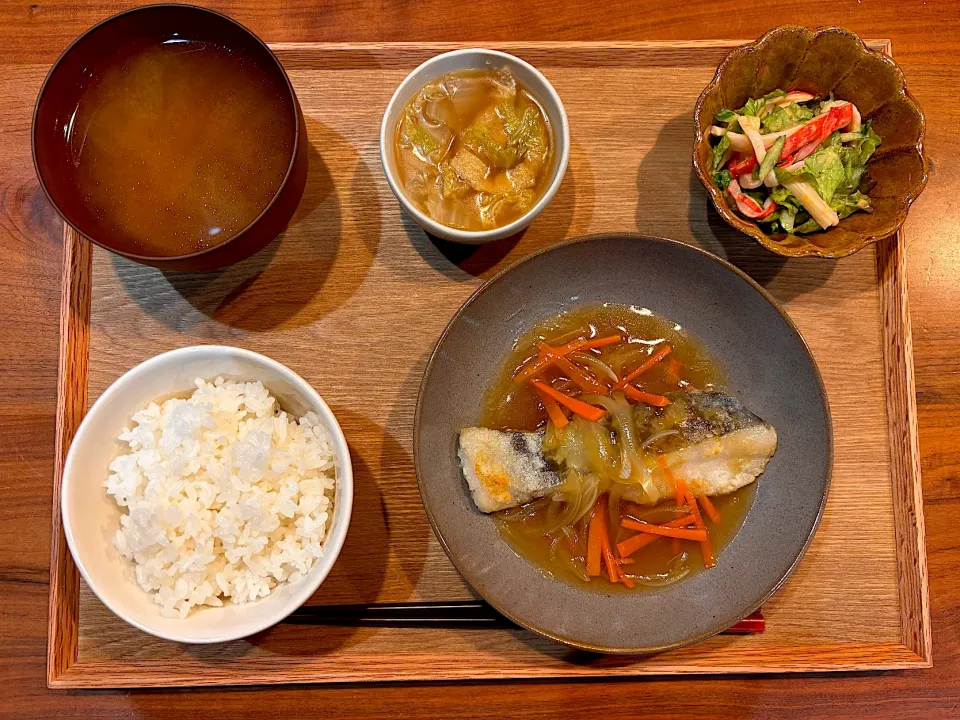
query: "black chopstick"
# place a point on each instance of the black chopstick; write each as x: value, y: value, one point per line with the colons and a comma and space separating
x: 455, y: 614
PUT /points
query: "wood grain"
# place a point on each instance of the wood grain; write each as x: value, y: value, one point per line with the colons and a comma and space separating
x: 64, y: 610
x: 926, y: 38
x: 352, y: 276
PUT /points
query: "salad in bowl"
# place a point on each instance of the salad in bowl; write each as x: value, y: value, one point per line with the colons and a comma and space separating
x: 793, y: 160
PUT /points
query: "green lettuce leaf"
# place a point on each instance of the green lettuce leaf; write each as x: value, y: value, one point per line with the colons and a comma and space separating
x: 781, y: 118
x: 833, y: 140
x: 725, y: 116
x: 787, y: 218
x: 844, y: 205
x: 854, y: 157
x: 853, y: 170
x: 824, y: 168
x: 720, y: 152
x: 786, y: 199
x: 723, y: 179
x: 752, y: 107
x: 809, y: 226
x: 868, y: 145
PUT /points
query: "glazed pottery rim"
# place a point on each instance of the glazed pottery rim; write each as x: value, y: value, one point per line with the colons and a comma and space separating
x: 596, y: 237
x: 559, y: 171
x: 295, y: 108
x: 333, y: 541
x: 752, y: 229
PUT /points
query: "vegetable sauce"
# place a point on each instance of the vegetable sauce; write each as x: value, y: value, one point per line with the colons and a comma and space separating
x: 177, y: 145
x: 474, y: 149
x: 515, y: 406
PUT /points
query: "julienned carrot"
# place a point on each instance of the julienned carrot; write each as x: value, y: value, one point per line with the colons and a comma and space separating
x: 708, y: 508
x: 590, y: 412
x: 651, y: 361
x: 554, y: 411
x: 698, y: 534
x: 641, y: 540
x: 673, y: 369
x: 624, y: 578
x: 586, y: 381
x: 613, y: 570
x: 634, y: 543
x: 594, y: 542
x: 603, y: 534
x: 649, y: 398
x: 602, y: 342
x: 706, y: 548
x: 542, y: 362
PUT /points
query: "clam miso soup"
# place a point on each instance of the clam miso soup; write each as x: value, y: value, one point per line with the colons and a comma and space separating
x: 474, y: 149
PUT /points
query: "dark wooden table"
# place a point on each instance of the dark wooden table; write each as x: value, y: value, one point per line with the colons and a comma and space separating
x: 926, y: 43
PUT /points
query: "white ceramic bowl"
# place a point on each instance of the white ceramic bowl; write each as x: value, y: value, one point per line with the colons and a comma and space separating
x: 91, y: 518
x: 475, y: 58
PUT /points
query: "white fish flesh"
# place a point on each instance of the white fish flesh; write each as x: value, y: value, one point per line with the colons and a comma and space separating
x: 708, y: 439
x: 505, y: 469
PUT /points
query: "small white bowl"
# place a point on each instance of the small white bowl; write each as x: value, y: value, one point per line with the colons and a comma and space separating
x: 479, y: 59
x: 91, y: 518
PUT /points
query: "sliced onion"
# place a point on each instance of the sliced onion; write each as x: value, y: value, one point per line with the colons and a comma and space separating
x: 595, y: 364
x: 748, y: 183
x: 622, y: 414
x: 660, y: 515
x: 661, y: 580
x: 677, y: 569
x: 613, y: 508
x: 857, y: 123
x: 658, y: 436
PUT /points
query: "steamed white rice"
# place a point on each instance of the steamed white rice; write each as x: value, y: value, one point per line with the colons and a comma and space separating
x: 225, y: 496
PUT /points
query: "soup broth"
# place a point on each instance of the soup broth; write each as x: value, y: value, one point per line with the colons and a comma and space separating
x: 512, y: 406
x: 177, y: 144
x: 474, y: 149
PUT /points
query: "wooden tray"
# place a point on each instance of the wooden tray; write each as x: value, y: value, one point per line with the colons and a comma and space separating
x: 353, y: 298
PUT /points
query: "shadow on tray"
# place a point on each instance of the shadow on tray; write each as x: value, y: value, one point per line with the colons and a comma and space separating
x: 386, y: 546
x: 280, y: 286
x: 464, y: 262
x: 668, y: 165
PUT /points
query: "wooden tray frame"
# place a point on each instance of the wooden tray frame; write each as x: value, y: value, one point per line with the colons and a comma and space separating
x: 65, y: 670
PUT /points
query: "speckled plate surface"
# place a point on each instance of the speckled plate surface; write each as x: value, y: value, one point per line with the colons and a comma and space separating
x: 770, y: 369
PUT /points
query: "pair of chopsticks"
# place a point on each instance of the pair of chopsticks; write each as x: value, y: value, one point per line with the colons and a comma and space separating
x: 451, y: 615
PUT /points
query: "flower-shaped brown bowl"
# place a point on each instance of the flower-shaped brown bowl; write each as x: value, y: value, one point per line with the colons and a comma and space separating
x: 822, y: 61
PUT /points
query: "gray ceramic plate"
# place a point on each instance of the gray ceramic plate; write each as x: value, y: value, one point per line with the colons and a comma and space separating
x: 771, y: 371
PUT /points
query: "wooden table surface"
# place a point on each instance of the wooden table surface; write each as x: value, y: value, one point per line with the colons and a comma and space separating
x: 926, y: 44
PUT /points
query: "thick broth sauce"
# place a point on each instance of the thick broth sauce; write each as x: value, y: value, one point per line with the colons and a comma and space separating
x: 516, y: 406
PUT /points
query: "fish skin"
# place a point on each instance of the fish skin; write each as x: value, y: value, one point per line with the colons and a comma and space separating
x: 719, y: 447
x: 505, y: 469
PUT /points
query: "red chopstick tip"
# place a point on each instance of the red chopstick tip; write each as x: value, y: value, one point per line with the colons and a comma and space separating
x: 750, y: 625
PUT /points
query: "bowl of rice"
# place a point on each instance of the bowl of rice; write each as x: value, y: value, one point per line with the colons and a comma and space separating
x: 207, y: 494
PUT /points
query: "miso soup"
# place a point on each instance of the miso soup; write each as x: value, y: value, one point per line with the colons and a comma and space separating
x: 474, y: 149
x: 179, y: 144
